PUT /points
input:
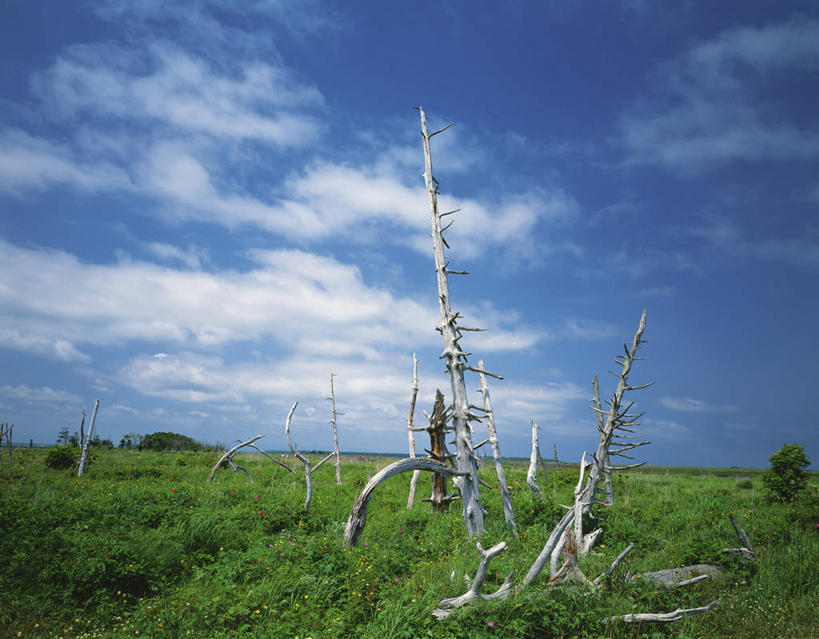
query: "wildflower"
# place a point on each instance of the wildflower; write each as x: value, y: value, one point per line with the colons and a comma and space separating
x: 173, y: 490
x: 490, y: 623
x: 261, y: 512
x: 400, y: 530
x: 256, y: 497
x: 258, y: 612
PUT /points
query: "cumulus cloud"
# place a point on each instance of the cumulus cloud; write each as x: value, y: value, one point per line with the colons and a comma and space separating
x: 690, y: 405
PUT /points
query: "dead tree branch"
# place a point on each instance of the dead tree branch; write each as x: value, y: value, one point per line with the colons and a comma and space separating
x: 308, y: 469
x: 531, y: 475
x: 334, y: 424
x: 674, y: 615
x: 474, y: 592
x: 227, y: 457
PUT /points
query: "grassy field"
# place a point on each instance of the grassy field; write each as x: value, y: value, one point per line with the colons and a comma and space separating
x: 143, y: 545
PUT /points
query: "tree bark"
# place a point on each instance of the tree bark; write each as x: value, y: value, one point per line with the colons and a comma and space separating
x: 440, y: 496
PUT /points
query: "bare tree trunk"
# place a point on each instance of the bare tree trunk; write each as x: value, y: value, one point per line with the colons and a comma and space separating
x: 557, y: 461
x: 335, y: 431
x: 467, y: 483
x: 87, y: 442
x: 506, y: 500
x: 440, y: 497
x: 5, y: 431
x: 82, y: 430
x: 608, y: 486
x: 411, y: 433
x: 531, y: 476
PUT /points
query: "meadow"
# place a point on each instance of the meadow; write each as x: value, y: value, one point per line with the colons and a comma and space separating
x: 144, y: 546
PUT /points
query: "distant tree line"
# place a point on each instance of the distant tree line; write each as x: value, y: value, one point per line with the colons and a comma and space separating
x: 152, y: 441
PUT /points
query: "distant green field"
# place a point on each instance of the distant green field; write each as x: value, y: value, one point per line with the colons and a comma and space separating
x: 143, y: 545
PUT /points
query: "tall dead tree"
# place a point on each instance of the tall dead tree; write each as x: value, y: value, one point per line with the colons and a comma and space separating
x: 608, y: 486
x: 456, y: 359
x: 465, y: 472
x: 334, y: 424
x: 87, y: 440
x: 506, y: 500
x: 411, y: 432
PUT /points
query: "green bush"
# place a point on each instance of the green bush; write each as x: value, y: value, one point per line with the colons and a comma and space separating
x: 786, y: 477
x: 62, y: 457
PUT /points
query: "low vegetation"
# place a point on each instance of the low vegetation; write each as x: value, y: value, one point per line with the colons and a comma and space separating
x: 143, y: 545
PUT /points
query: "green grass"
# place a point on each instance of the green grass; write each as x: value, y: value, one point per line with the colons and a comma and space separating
x: 143, y: 545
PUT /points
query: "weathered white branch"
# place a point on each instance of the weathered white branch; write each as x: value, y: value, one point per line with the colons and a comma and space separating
x: 548, y: 547
x: 358, y: 515
x: 229, y: 454
x: 236, y: 467
x: 467, y: 482
x: 506, y: 500
x: 308, y: 469
x: 605, y: 575
x: 474, y: 592
x: 674, y: 615
x: 270, y: 457
x: 87, y: 443
x: 411, y: 430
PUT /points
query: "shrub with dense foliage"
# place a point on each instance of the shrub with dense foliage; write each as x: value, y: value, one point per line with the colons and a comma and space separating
x: 62, y: 457
x: 171, y: 441
x: 786, y: 477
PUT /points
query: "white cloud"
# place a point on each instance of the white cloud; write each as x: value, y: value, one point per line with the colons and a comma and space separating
x: 303, y: 301
x: 167, y: 86
x: 43, y: 394
x: 690, y: 405
x: 32, y: 163
x: 714, y: 109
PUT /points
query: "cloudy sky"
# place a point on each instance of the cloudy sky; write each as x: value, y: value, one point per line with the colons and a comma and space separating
x: 208, y: 207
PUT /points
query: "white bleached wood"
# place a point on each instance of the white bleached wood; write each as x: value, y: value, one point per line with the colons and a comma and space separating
x: 474, y: 592
x: 746, y: 550
x: 358, y: 514
x: 506, y: 500
x: 416, y: 474
x: 531, y: 475
x: 605, y: 575
x: 87, y: 443
x: 674, y: 615
x: 227, y: 456
x: 270, y: 457
x: 333, y: 422
x: 308, y: 469
x: 467, y: 482
x: 608, y: 486
x: 548, y: 548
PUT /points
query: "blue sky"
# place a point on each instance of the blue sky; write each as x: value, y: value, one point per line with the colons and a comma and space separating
x: 208, y: 207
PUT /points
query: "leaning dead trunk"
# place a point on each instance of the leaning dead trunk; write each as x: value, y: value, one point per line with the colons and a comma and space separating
x: 84, y: 456
x: 506, y: 500
x: 456, y: 359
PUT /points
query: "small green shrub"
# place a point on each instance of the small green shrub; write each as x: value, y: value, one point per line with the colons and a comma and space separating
x: 786, y: 477
x: 62, y: 457
x: 745, y: 484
